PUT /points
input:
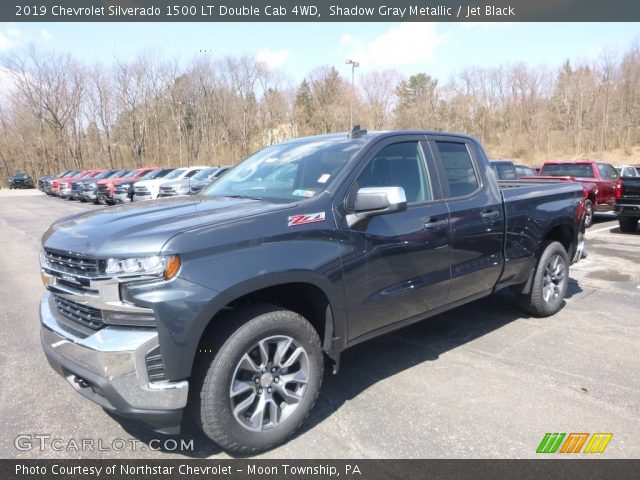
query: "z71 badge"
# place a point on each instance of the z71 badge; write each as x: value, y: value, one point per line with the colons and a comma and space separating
x: 305, y: 218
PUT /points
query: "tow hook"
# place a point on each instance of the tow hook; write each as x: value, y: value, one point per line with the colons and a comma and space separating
x: 81, y: 382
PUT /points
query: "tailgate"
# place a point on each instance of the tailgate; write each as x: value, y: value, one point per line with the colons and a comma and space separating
x: 631, y: 187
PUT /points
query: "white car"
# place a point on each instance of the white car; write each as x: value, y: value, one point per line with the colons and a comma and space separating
x: 148, y: 189
x: 166, y: 188
x: 628, y: 171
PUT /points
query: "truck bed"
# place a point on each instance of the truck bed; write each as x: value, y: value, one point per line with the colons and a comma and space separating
x: 531, y: 207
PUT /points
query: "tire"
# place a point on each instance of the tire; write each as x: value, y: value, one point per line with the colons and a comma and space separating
x: 588, y: 213
x: 550, y: 281
x: 628, y: 224
x: 213, y: 403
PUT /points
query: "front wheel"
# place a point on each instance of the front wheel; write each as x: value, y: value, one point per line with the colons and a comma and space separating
x: 550, y: 281
x: 259, y: 385
x: 628, y: 224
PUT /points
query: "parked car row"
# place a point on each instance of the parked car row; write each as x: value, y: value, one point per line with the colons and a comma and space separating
x: 113, y: 186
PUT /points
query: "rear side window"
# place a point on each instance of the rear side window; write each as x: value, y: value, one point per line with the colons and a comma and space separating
x: 458, y: 167
x: 608, y: 172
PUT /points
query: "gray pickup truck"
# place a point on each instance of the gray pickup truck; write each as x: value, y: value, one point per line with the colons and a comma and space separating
x: 227, y: 304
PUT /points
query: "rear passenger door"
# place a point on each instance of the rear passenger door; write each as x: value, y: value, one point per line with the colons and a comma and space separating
x: 476, y: 216
x: 396, y: 265
x: 609, y: 176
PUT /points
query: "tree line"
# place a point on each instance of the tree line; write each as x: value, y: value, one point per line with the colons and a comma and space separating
x: 59, y: 113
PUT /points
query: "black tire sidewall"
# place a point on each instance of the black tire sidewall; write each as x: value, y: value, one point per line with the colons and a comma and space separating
x: 628, y: 224
x: 588, y: 220
x: 542, y: 306
x: 216, y: 416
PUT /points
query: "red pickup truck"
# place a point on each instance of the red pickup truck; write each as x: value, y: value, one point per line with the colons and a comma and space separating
x: 599, y: 179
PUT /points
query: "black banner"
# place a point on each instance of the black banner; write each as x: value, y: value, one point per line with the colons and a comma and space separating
x: 320, y: 11
x: 311, y: 469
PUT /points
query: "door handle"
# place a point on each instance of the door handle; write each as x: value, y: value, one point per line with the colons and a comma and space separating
x: 435, y: 223
x: 490, y: 214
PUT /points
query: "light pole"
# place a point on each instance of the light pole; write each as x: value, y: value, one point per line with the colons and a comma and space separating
x: 353, y: 64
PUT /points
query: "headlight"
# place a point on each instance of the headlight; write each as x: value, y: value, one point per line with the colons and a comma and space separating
x: 91, y: 184
x: 183, y: 189
x: 43, y: 258
x: 166, y: 267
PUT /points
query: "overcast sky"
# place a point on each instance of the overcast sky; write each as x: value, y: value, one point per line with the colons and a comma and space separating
x: 439, y: 49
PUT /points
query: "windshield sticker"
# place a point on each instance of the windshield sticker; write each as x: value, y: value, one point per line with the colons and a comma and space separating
x: 324, y: 177
x: 305, y: 218
x: 303, y: 193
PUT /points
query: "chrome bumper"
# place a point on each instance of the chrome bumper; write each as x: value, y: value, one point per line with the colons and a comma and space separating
x: 139, y: 198
x: 121, y: 198
x: 108, y: 366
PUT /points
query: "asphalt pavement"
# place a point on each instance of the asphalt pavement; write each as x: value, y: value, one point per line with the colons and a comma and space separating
x: 481, y: 381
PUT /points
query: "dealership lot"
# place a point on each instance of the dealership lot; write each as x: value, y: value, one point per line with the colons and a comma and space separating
x: 480, y: 381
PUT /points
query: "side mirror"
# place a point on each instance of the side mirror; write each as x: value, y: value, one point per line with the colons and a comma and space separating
x: 372, y: 201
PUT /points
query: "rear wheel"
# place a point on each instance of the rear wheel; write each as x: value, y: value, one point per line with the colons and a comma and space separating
x: 550, y: 281
x: 262, y: 380
x: 628, y: 224
x: 588, y: 213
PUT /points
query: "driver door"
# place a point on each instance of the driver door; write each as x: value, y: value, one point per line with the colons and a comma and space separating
x: 396, y: 265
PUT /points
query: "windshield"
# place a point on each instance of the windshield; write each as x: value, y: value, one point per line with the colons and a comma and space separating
x: 568, y: 170
x: 118, y: 174
x: 102, y: 175
x: 130, y: 174
x: 204, y: 174
x: 287, y: 172
x: 175, y: 173
x: 504, y: 171
x: 150, y: 175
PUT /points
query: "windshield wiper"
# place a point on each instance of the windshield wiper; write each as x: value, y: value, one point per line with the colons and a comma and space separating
x: 250, y: 197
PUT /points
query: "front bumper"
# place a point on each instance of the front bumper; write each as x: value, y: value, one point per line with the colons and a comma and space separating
x: 108, y: 367
x: 139, y: 197
x: 120, y: 197
x: 628, y: 210
x: 89, y: 195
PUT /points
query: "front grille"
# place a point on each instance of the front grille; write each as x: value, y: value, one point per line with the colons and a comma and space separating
x: 103, y: 190
x: 167, y: 191
x: 87, y: 316
x: 74, y: 265
x: 155, y: 365
x: 140, y: 190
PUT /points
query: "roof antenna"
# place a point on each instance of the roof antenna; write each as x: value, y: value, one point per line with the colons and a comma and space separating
x: 356, y: 132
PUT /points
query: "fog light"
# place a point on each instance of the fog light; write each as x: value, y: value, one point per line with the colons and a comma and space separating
x: 45, y: 277
x: 129, y: 319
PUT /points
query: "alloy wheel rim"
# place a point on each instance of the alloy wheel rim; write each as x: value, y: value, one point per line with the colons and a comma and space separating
x: 554, y: 277
x: 269, y: 383
x: 588, y: 215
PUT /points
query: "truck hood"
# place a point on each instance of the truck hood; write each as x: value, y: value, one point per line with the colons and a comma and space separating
x: 150, y: 183
x: 176, y: 183
x: 143, y: 228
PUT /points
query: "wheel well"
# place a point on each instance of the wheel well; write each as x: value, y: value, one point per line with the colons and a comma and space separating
x: 562, y: 234
x: 303, y: 298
